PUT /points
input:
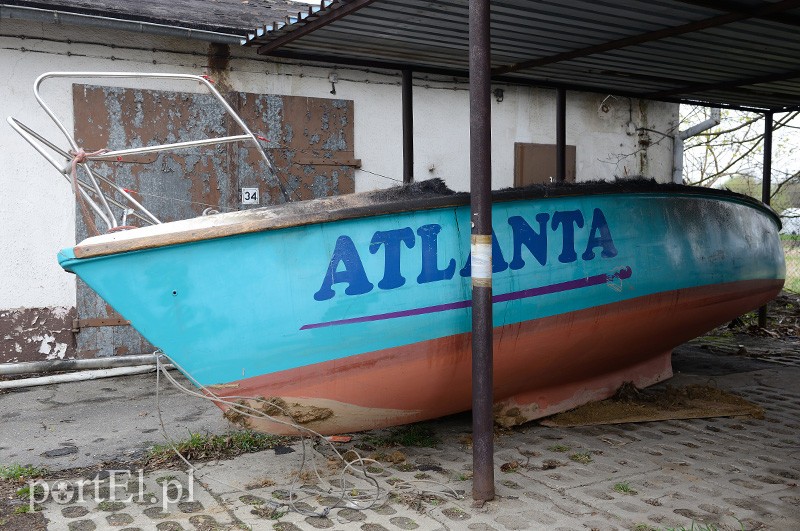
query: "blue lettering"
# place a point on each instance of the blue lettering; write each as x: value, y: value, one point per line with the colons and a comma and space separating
x: 391, y: 241
x: 430, y: 260
x: 346, y: 266
x: 567, y: 219
x: 599, y: 224
x: 344, y: 253
x: 525, y: 235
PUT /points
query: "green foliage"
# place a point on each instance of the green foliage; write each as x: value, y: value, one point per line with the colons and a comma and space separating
x: 731, y: 155
x: 25, y: 492
x: 786, y: 197
x: 624, y: 488
x: 581, y: 457
x: 792, y: 271
x: 19, y: 472
x: 559, y: 448
x: 419, y: 435
x: 206, y: 446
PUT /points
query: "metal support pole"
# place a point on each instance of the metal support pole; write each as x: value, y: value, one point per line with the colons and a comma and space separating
x: 766, y: 188
x: 481, y: 248
x: 408, y: 128
x: 561, y: 135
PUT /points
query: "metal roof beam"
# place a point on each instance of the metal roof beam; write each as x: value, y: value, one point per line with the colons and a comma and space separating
x: 323, y: 20
x: 370, y: 63
x: 508, y: 80
x: 760, y: 11
x: 726, y: 5
x: 733, y: 83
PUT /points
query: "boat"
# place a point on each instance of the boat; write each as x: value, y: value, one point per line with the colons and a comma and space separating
x: 353, y: 312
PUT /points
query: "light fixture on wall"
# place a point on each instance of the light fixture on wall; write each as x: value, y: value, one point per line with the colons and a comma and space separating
x: 333, y: 78
x: 498, y: 94
x: 604, y: 104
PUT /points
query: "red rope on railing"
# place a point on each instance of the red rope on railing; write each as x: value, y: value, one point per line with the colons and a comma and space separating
x: 81, y: 157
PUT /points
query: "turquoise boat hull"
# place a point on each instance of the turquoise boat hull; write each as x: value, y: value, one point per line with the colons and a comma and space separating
x: 351, y: 314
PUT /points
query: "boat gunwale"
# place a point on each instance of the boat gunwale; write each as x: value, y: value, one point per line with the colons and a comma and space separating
x: 340, y: 208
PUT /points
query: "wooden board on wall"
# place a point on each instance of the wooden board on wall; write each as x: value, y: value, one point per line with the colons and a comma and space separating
x: 310, y: 141
x: 536, y: 163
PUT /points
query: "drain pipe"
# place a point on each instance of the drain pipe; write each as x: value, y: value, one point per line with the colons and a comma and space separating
x: 39, y: 367
x: 79, y: 19
x: 677, y: 143
x: 78, y: 376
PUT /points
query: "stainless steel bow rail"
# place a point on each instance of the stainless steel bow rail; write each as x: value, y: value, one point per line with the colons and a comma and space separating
x: 88, y: 186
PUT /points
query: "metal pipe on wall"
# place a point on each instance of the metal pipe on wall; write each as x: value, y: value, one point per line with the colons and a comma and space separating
x: 481, y: 248
x: 115, y: 24
x: 677, y: 142
x: 80, y: 376
x: 43, y: 367
x: 766, y: 188
x: 408, y: 127
x: 561, y: 135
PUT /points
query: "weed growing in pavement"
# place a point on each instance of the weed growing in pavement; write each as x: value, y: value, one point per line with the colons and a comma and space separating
x: 624, y: 488
x: 581, y: 457
x: 418, y: 435
x: 559, y: 448
x: 207, y: 446
x: 18, y: 472
x: 25, y: 492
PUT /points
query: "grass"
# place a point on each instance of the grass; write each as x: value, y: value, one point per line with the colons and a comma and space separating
x: 581, y: 457
x: 19, y: 472
x: 624, y: 488
x: 205, y: 446
x: 792, y: 270
x: 559, y: 448
x: 25, y: 492
x: 416, y: 435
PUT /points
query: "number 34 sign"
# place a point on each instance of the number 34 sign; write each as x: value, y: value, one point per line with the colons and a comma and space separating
x: 250, y: 196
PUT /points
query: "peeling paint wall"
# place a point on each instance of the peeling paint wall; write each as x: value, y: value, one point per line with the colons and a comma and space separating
x: 33, y: 334
x: 615, y: 137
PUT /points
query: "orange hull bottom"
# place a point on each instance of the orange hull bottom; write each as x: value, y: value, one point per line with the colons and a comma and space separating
x: 541, y: 367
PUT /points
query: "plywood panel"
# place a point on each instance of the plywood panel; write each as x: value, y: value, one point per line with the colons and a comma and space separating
x: 536, y: 163
x: 309, y: 139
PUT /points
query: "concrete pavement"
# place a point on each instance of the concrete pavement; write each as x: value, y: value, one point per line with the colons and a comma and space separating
x: 732, y: 473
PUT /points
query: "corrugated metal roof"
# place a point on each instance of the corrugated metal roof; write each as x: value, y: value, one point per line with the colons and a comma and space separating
x: 230, y: 16
x: 742, y: 53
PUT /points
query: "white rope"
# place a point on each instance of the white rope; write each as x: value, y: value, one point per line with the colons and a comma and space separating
x: 357, y: 466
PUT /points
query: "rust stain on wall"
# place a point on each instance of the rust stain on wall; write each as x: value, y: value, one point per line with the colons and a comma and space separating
x: 300, y: 130
x: 36, y: 334
x: 219, y: 59
x: 311, y: 141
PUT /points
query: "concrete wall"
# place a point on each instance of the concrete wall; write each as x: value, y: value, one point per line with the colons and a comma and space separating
x: 37, y: 213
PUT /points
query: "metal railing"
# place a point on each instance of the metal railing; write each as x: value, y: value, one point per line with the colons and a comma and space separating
x: 66, y: 161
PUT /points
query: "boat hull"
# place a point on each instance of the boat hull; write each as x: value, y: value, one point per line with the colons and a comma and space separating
x: 362, y: 323
x: 541, y: 367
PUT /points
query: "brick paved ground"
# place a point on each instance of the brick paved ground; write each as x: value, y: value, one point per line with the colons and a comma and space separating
x: 732, y: 473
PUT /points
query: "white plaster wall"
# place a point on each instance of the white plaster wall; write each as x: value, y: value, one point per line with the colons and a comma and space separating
x: 36, y: 205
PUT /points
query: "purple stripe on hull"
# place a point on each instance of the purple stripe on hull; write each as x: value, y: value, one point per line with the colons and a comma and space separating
x: 623, y: 273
